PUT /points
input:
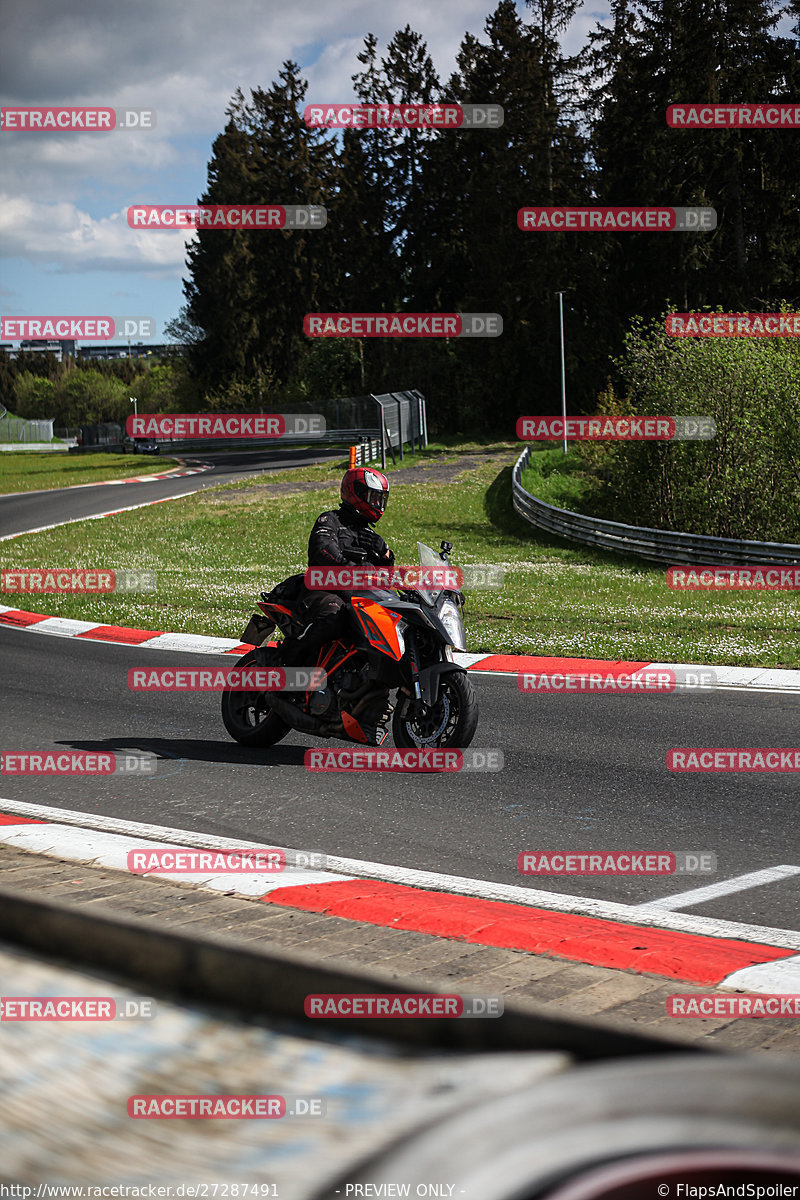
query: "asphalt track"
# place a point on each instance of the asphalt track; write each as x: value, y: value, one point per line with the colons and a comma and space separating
x: 582, y: 772
x: 33, y: 510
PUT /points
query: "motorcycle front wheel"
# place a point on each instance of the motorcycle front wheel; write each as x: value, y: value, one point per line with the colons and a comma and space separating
x: 248, y: 717
x: 451, y: 721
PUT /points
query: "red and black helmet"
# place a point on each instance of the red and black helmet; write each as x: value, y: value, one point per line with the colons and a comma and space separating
x: 366, y: 491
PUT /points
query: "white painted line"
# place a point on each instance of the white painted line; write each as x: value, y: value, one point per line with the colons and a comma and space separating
x: 780, y: 978
x: 6, y: 537
x: 484, y: 889
x: 734, y: 678
x: 191, y: 643
x: 111, y: 850
x: 62, y: 626
x: 748, y: 678
x: 260, y: 885
x: 784, y: 682
x: 725, y: 887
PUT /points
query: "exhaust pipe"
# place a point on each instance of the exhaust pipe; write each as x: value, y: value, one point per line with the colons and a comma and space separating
x: 302, y: 722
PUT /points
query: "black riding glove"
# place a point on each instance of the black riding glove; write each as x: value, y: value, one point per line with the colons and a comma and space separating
x: 376, y: 546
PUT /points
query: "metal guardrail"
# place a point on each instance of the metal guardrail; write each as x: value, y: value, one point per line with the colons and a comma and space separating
x: 656, y: 545
x: 389, y: 421
x: 331, y: 437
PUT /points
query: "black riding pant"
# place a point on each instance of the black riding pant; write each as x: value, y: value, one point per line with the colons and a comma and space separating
x: 328, y: 614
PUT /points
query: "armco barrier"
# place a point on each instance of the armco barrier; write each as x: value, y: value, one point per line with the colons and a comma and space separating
x: 657, y: 545
x: 332, y: 437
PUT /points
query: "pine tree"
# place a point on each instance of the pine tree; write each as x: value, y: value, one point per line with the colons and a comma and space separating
x: 250, y: 289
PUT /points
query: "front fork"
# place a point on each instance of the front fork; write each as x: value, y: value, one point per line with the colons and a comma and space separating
x: 422, y: 691
x: 413, y: 661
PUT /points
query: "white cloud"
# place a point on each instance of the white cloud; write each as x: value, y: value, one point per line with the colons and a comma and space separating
x: 63, y: 207
x: 187, y: 60
x: 61, y: 236
x: 184, y: 61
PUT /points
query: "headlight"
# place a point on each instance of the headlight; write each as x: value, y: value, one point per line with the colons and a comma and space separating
x: 451, y: 619
x: 399, y: 627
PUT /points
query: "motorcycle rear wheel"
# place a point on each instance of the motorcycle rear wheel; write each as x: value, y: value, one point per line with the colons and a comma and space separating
x: 451, y: 721
x: 248, y: 717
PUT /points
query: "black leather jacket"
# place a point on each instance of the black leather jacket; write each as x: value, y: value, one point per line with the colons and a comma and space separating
x: 340, y: 537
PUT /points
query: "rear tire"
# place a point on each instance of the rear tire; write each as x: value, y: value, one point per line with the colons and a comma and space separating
x: 451, y: 722
x: 558, y: 1137
x: 248, y: 717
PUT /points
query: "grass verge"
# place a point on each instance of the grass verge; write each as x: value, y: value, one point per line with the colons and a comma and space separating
x: 37, y: 469
x: 216, y: 550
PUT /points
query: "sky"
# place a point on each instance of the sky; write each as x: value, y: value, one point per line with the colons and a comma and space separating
x: 65, y: 245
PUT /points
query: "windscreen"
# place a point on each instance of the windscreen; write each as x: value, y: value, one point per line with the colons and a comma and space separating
x: 428, y: 558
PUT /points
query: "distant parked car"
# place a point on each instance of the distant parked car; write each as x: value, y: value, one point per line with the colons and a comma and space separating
x: 142, y: 446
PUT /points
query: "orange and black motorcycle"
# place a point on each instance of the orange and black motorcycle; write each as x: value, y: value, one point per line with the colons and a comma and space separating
x: 405, y: 644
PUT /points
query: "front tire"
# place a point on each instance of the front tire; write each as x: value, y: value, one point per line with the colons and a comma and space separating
x: 451, y: 721
x: 247, y: 716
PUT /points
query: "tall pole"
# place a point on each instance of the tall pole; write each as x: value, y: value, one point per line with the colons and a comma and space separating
x: 563, y: 370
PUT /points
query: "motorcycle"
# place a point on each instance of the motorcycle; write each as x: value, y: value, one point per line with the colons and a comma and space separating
x: 405, y: 643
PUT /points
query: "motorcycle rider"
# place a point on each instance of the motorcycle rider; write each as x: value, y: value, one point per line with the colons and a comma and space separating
x: 340, y: 537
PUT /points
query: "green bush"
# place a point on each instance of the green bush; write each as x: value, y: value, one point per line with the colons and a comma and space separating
x: 34, y: 396
x: 745, y: 482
